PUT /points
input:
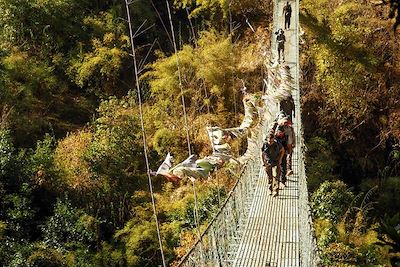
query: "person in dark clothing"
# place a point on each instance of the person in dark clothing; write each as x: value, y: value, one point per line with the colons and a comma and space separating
x: 281, y: 136
x: 290, y: 139
x: 272, y: 154
x: 284, y: 135
x: 280, y: 40
x: 287, y: 12
x: 287, y: 105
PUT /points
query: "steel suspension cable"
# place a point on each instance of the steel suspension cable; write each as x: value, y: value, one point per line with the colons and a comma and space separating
x: 196, y: 210
x: 180, y: 79
x: 144, y: 135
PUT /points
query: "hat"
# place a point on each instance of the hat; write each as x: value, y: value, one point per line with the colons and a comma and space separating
x: 283, y: 120
x: 281, y: 116
x: 280, y: 113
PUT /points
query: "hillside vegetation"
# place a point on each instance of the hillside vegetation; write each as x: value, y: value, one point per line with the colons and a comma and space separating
x: 351, y: 107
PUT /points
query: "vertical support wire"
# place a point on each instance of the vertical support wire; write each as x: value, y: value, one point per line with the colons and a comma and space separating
x: 180, y: 79
x: 144, y: 134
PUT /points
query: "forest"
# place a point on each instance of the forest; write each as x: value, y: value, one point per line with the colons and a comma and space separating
x: 73, y: 177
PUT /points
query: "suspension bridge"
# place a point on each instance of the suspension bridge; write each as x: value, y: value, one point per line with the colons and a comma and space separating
x: 253, y: 228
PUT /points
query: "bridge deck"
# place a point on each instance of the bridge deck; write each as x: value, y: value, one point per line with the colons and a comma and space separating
x: 271, y: 234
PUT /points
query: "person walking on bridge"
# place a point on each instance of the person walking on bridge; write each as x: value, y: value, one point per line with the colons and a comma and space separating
x: 272, y: 154
x: 287, y: 12
x: 291, y: 142
x: 280, y: 40
x: 284, y: 135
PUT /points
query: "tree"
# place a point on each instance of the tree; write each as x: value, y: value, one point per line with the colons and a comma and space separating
x: 70, y: 228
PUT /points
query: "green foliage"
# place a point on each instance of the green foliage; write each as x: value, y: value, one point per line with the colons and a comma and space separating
x: 320, y: 162
x: 103, y: 166
x: 390, y: 230
x: 210, y: 65
x: 344, y: 254
x: 27, y: 76
x: 43, y: 154
x: 388, y: 198
x: 344, y: 45
x: 14, y: 253
x: 109, y: 256
x: 99, y: 68
x: 218, y: 12
x: 40, y: 164
x: 6, y: 151
x: 349, y: 240
x: 70, y: 228
x: 69, y: 160
x: 29, y: 85
x: 15, y: 188
x: 116, y: 146
x: 18, y: 209
x: 50, y: 24
x: 326, y: 232
x: 331, y: 200
x: 46, y: 257
x: 171, y: 141
x: 207, y: 203
x: 141, y: 243
x: 213, y: 7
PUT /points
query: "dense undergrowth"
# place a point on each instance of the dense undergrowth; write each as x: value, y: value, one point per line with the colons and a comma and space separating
x: 351, y: 82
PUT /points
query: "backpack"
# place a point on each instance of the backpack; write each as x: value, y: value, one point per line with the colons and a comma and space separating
x: 281, y: 136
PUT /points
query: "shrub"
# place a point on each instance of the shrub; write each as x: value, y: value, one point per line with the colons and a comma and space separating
x: 141, y: 244
x: 6, y: 151
x: 320, y: 162
x: 389, y: 201
x: 69, y: 159
x: 69, y: 227
x: 46, y: 257
x: 331, y: 200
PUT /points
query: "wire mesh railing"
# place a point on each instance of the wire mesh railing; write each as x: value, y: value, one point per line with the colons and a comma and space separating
x: 218, y: 243
x: 309, y: 255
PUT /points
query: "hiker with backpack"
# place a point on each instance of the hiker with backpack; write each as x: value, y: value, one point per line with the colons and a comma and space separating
x: 284, y: 134
x: 272, y: 155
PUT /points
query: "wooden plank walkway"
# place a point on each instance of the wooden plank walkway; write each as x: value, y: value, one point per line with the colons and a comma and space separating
x: 271, y: 234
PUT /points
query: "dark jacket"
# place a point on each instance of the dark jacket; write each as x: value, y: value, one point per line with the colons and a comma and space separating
x: 271, y: 153
x: 280, y: 39
x: 287, y: 10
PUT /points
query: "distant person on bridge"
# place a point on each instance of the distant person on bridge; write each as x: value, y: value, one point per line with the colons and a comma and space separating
x: 287, y: 12
x: 280, y: 40
x: 287, y: 105
x: 291, y: 142
x: 272, y: 154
